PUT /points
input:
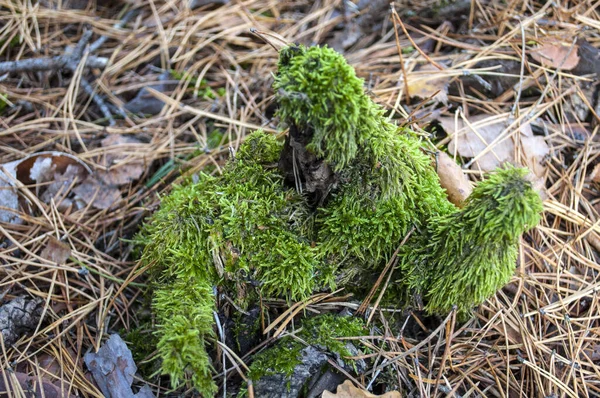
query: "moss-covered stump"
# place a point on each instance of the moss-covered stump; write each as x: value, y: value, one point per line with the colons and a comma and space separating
x: 332, y: 202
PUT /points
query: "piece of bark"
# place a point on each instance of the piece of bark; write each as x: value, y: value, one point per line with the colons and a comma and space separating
x: 303, y: 170
x: 113, y: 369
x: 18, y: 317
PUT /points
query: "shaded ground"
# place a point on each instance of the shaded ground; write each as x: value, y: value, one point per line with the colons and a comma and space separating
x: 132, y: 99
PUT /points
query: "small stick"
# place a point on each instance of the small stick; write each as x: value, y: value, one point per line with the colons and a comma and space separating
x: 98, y: 100
x: 102, y: 39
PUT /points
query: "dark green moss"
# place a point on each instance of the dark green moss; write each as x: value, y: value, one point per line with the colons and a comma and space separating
x: 322, y: 330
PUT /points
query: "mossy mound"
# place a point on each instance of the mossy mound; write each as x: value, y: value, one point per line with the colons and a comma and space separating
x: 256, y: 232
x: 242, y: 229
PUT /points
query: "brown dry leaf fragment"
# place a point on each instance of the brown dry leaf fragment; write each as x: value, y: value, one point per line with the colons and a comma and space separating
x: 59, y: 185
x: 41, y: 167
x: 428, y: 81
x: 56, y: 251
x: 348, y: 390
x: 469, y: 143
x: 102, y: 189
x: 101, y: 196
x: 535, y: 149
x: 120, y: 170
x: 556, y: 54
x: 453, y: 179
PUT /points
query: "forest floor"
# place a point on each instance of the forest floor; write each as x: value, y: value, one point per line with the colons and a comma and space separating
x: 104, y: 107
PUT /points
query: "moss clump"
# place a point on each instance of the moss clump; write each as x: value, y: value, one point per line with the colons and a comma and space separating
x: 222, y: 233
x: 322, y: 330
x: 466, y: 256
x: 245, y: 233
x: 386, y: 183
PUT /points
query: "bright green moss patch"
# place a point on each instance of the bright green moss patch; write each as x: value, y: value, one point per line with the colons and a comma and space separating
x: 468, y: 255
x: 224, y: 231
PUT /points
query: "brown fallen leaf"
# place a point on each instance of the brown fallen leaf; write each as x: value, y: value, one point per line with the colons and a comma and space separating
x: 348, y: 390
x: 56, y: 251
x: 428, y: 81
x: 556, y: 54
x: 472, y: 142
x: 101, y: 189
x: 453, y: 179
x: 120, y: 171
x: 96, y: 192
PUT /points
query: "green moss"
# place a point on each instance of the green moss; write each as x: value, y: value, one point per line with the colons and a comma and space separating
x: 325, y: 330
x: 387, y: 183
x: 468, y: 255
x: 184, y: 311
x: 246, y: 234
x: 322, y: 330
x: 224, y: 231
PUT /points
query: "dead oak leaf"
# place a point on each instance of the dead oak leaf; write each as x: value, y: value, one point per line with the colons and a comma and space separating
x: 348, y: 390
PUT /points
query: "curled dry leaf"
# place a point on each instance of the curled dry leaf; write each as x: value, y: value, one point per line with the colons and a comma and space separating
x: 348, y: 390
x: 473, y: 142
x: 556, y: 54
x: 453, y: 179
x: 60, y: 170
x: 428, y: 81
